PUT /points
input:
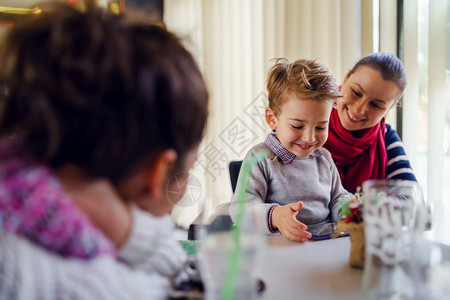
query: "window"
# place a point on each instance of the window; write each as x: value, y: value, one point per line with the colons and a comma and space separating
x: 427, y: 139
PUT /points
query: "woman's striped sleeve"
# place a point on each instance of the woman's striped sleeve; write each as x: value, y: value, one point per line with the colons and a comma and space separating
x: 398, y: 166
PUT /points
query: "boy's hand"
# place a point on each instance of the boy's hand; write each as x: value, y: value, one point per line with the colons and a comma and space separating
x: 283, y: 218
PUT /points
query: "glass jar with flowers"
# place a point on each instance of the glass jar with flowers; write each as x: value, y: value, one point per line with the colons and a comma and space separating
x: 352, y: 222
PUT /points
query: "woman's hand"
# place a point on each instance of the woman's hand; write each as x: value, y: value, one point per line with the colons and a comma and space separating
x: 283, y: 218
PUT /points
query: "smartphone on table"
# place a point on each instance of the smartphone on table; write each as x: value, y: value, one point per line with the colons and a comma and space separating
x: 322, y: 231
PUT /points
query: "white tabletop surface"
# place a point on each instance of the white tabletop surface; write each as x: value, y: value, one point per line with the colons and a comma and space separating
x: 311, y: 270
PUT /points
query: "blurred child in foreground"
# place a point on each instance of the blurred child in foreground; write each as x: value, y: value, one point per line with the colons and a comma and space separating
x: 101, y: 113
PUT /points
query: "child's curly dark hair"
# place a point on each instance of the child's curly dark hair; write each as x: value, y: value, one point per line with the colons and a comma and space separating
x: 100, y: 91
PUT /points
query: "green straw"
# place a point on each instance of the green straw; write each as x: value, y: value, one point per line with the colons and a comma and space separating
x: 236, y: 252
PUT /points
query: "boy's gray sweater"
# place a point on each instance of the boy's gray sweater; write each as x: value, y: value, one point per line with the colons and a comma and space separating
x: 313, y: 180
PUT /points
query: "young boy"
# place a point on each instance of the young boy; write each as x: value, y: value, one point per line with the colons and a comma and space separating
x: 297, y: 184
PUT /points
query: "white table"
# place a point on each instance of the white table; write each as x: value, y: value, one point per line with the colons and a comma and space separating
x: 311, y: 270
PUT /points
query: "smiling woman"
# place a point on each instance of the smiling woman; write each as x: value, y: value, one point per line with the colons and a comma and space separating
x: 367, y: 98
x: 362, y: 145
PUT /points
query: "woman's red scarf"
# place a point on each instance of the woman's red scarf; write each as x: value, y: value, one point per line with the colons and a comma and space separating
x: 357, y: 158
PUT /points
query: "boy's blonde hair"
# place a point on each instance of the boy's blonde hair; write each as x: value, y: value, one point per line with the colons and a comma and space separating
x: 308, y: 79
